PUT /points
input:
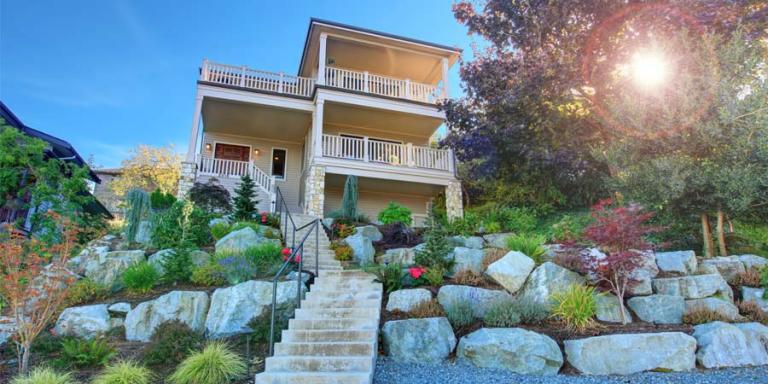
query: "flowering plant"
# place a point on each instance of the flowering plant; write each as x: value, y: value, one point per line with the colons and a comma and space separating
x: 416, y: 272
x: 286, y: 252
x: 264, y: 217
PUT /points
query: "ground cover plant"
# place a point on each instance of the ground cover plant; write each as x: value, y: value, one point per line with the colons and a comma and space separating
x: 215, y: 364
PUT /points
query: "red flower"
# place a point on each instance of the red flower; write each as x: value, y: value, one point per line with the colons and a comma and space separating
x: 286, y: 251
x: 263, y: 217
x: 416, y: 272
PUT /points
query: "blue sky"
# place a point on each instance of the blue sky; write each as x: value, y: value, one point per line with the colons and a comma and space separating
x: 108, y: 75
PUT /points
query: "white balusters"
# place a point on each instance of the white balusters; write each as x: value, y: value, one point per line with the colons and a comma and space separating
x: 255, y: 79
x: 377, y: 151
x: 233, y: 168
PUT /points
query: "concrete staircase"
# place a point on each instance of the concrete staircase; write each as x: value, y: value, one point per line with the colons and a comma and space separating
x: 333, y: 337
x: 327, y: 260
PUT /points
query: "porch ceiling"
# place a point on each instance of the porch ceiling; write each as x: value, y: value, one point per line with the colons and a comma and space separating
x: 236, y: 118
x: 336, y: 181
x: 380, y: 120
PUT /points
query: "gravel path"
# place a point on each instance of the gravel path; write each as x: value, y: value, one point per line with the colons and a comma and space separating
x: 462, y: 373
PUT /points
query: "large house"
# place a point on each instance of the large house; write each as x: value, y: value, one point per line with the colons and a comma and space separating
x: 363, y: 103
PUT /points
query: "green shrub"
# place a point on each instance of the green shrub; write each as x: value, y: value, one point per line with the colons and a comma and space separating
x: 502, y: 314
x: 434, y: 276
x: 236, y: 267
x: 518, y: 220
x: 124, y: 372
x: 260, y: 325
x: 216, y: 364
x: 264, y: 255
x: 246, y: 224
x: 85, y: 291
x: 575, y: 306
x: 160, y: 200
x: 464, y: 226
x: 141, y: 277
x: 492, y: 227
x: 395, y: 213
x: 244, y: 202
x: 569, y: 227
x: 436, y: 251
x: 459, y: 313
x: 182, y: 224
x: 210, y: 274
x: 177, y: 265
x: 44, y: 375
x: 220, y: 229
x: 80, y: 353
x: 531, y: 245
x: 171, y: 343
x: 390, y: 275
x: 343, y: 252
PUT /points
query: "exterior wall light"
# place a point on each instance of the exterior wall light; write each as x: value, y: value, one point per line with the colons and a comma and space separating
x: 256, y: 151
x: 208, y: 146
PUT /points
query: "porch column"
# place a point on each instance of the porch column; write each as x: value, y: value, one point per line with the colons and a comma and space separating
x: 317, y: 128
x: 453, y: 200
x: 314, y: 191
x: 321, y: 60
x: 187, y: 178
x: 446, y: 89
x: 192, y: 150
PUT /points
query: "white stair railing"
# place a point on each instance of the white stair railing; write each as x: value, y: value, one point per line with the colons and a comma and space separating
x: 223, y: 168
x: 406, y: 155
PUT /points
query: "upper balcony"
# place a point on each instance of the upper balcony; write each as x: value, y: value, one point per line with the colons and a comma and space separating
x: 356, y: 81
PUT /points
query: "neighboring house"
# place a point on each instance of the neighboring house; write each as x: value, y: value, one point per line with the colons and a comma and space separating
x: 363, y: 103
x: 57, y: 148
x: 103, y: 191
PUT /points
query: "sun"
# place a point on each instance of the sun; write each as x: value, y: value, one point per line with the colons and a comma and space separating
x: 650, y: 70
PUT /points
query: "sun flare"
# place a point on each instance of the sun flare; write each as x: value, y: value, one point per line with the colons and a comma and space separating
x: 650, y: 69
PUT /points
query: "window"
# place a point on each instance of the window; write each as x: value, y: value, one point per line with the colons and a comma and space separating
x: 278, y: 163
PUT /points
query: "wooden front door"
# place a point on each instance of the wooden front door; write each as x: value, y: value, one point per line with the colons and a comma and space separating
x: 232, y: 152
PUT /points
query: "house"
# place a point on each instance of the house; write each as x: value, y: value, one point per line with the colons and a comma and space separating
x: 57, y: 148
x: 363, y: 103
x: 103, y: 191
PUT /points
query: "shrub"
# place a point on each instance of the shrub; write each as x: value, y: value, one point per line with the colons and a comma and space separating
x: 44, y: 375
x: 390, y: 275
x: 237, y: 268
x: 210, y: 274
x: 397, y: 235
x: 343, y: 252
x: 244, y: 202
x: 575, y: 306
x: 177, y: 266
x: 85, y: 291
x: 531, y: 245
x: 80, y: 353
x: 464, y: 226
x: 749, y: 278
x: 764, y: 281
x: 434, y: 276
x: 220, y: 229
x: 492, y: 227
x: 139, y: 208
x: 753, y: 312
x: 521, y: 309
x: 395, y: 213
x: 260, y: 325
x: 344, y: 230
x: 703, y: 315
x: 436, y: 251
x: 459, y: 313
x: 491, y: 256
x: 569, y: 228
x: 215, y: 364
x: 141, y: 277
x: 349, y: 198
x: 171, y: 343
x: 264, y: 255
x: 124, y: 372
x: 210, y: 196
x: 425, y: 309
x: 468, y: 277
x: 519, y: 220
x: 160, y: 201
x: 181, y: 225
x: 246, y: 224
x: 502, y: 314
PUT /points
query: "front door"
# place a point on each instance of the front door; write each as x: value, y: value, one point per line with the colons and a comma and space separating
x: 232, y: 152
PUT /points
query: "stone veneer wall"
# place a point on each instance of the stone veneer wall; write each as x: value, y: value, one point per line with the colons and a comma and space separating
x: 453, y: 203
x: 187, y: 179
x: 314, y: 191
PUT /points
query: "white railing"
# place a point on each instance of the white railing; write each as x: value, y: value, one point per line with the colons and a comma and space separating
x: 381, y: 85
x: 245, y: 77
x: 232, y: 168
x: 406, y: 155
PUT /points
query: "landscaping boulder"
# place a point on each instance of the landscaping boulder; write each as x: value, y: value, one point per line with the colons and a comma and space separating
x: 92, y: 253
x: 728, y: 267
x: 85, y: 322
x: 659, y: 309
x: 693, y: 287
x: 404, y: 256
x: 512, y: 349
x: 724, y: 308
x: 551, y: 251
x: 197, y: 257
x: 679, y: 262
x: 752, y: 261
x: 497, y: 240
x: 144, y: 233
x: 548, y: 279
x: 362, y: 248
x: 232, y: 308
x: 624, y: 354
x: 188, y: 307
x: 479, y: 299
x: 428, y: 340
x: 7, y: 329
x: 511, y: 271
x: 369, y: 231
x: 242, y: 239
x: 642, y: 275
x: 756, y: 334
x: 293, y: 275
x: 405, y: 300
x: 607, y: 309
x: 725, y: 345
x: 474, y: 242
x: 755, y: 295
x: 120, y: 309
x: 467, y: 259
x: 108, y: 269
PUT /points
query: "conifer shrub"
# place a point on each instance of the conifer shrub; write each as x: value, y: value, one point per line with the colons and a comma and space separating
x: 244, y: 202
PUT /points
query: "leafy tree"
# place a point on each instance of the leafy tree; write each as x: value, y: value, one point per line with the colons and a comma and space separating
x: 245, y: 205
x: 149, y: 168
x: 210, y: 196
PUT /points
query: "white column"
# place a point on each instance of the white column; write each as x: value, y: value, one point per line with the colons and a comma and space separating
x: 446, y: 89
x: 317, y: 128
x: 192, y: 150
x: 321, y: 60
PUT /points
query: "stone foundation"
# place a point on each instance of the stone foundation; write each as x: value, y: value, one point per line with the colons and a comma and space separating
x: 314, y: 191
x: 187, y: 179
x: 453, y: 200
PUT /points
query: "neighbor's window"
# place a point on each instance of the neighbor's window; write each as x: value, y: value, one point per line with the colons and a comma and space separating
x: 278, y: 163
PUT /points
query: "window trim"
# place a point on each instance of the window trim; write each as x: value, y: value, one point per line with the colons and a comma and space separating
x: 285, y: 164
x: 216, y: 142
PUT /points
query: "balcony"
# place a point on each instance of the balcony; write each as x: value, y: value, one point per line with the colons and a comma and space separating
x: 278, y: 82
x: 393, y: 154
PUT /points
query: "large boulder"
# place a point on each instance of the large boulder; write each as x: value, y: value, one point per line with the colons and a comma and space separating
x: 232, y: 308
x: 474, y: 242
x: 607, y: 309
x: 624, y: 354
x: 428, y: 340
x: 548, y: 279
x: 405, y: 300
x: 728, y: 267
x: 188, y: 307
x: 362, y: 248
x: 479, y: 299
x: 242, y: 239
x: 497, y: 240
x: 756, y: 334
x: 725, y: 345
x: 511, y: 271
x: 197, y: 257
x: 693, y: 287
x: 108, y: 269
x: 7, y: 329
x: 679, y: 262
x: 724, y: 308
x: 144, y: 233
x: 404, y: 256
x: 755, y: 295
x: 369, y: 231
x: 120, y: 309
x: 659, y: 309
x: 91, y: 254
x: 512, y: 349
x: 641, y: 276
x: 85, y: 322
x: 467, y: 259
x: 752, y: 261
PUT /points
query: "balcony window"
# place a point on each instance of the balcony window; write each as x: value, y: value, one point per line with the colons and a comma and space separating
x: 279, y: 163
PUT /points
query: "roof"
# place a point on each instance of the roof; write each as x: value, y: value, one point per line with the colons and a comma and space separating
x: 314, y: 20
x: 108, y: 171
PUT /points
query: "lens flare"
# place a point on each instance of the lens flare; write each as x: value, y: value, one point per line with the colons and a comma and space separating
x: 650, y: 70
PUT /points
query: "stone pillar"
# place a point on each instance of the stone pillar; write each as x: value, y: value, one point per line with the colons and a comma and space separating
x: 187, y: 179
x: 314, y: 191
x: 453, y: 202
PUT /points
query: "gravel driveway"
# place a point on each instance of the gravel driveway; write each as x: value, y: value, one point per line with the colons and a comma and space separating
x: 455, y: 373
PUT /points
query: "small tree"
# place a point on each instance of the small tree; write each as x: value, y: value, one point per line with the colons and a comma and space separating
x: 149, y: 168
x: 619, y: 232
x: 245, y: 205
x: 436, y: 249
x: 349, y: 199
x: 211, y: 196
x: 35, y: 282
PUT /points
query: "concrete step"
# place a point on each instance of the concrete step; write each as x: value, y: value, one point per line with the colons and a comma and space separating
x: 313, y: 378
x: 325, y: 349
x: 332, y: 324
x: 342, y: 295
x: 333, y: 303
x: 336, y: 313
x: 319, y: 364
x: 346, y: 274
x: 299, y: 335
